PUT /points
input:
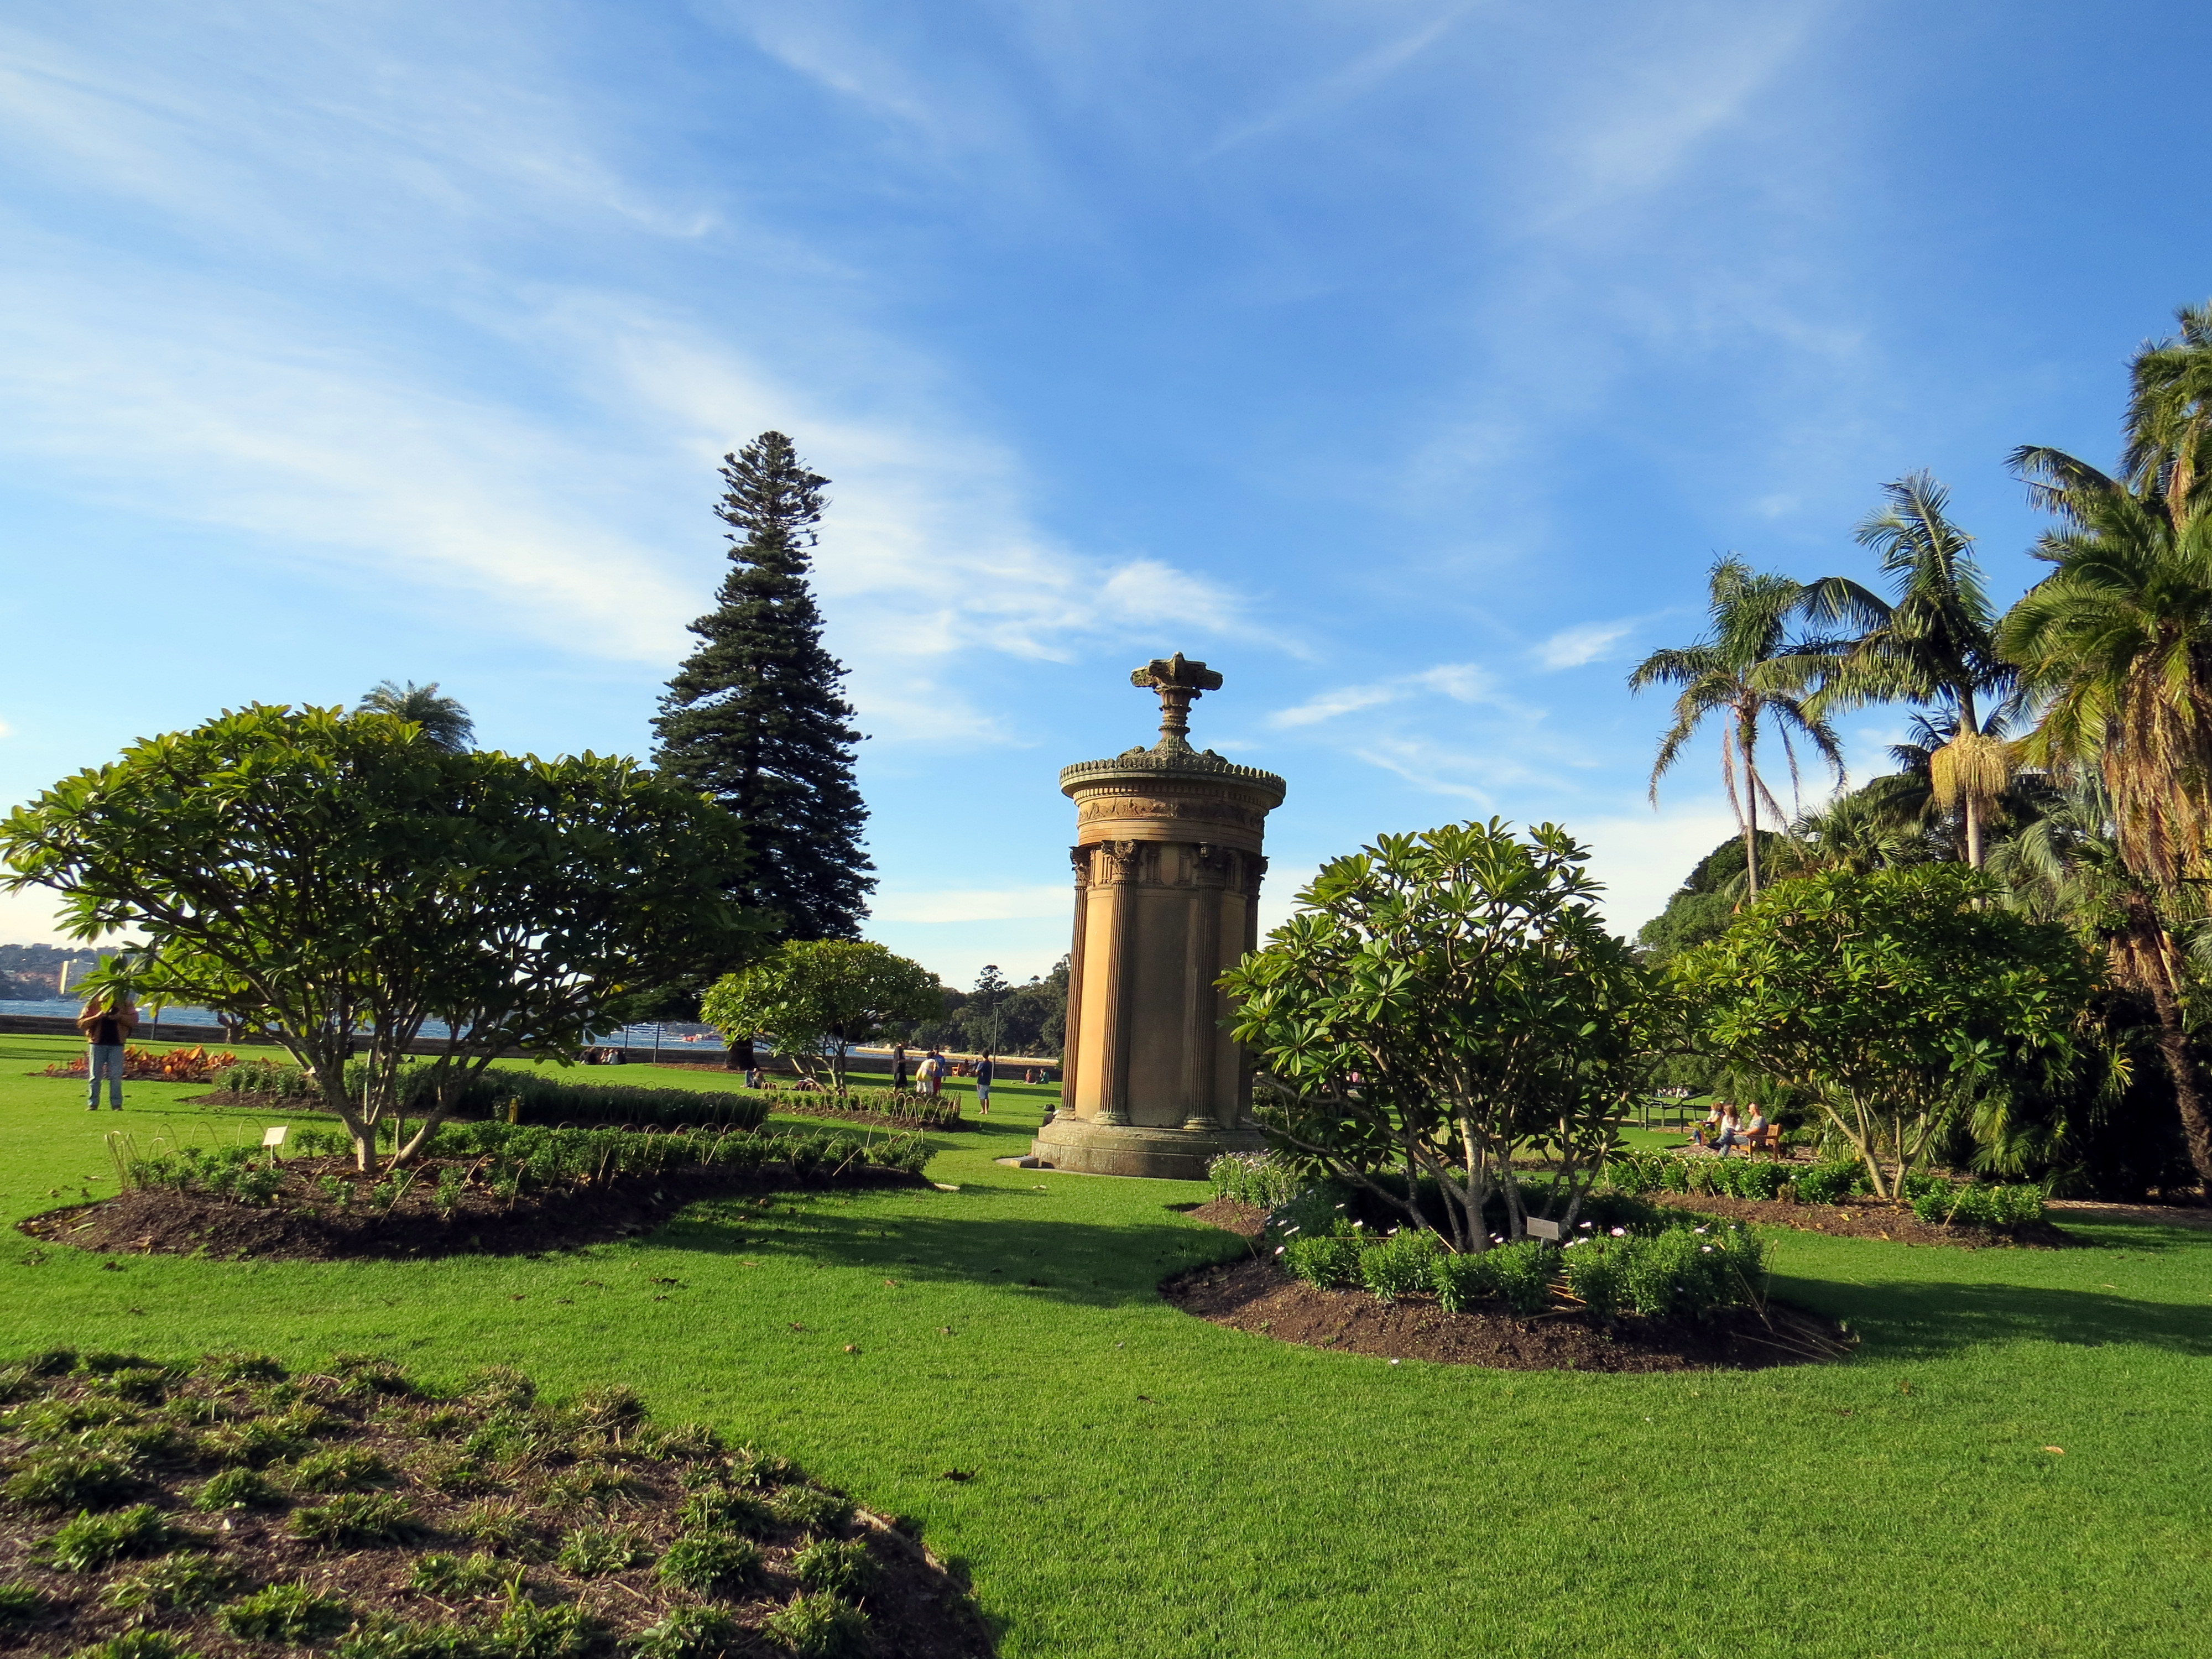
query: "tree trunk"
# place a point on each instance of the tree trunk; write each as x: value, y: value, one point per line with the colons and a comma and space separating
x: 1747, y: 740
x: 1974, y: 834
x: 738, y: 1056
x: 2150, y: 949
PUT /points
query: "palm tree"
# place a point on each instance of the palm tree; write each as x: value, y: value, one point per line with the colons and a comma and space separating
x: 443, y: 720
x: 1748, y: 671
x: 2115, y: 643
x: 1934, y: 646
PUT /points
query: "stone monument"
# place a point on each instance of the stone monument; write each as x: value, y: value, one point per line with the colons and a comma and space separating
x: 1167, y: 888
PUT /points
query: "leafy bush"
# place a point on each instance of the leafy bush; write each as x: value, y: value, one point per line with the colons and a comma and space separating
x: 720, y: 1510
x: 79, y: 1480
x: 1331, y: 1260
x: 440, y: 1574
x: 235, y: 1489
x: 283, y: 1612
x: 1744, y: 1177
x: 1596, y: 1272
x: 1400, y: 1267
x: 356, y: 1518
x: 1826, y: 1183
x: 191, y: 1580
x: 711, y: 1564
x: 811, y: 1508
x: 91, y: 1541
x: 1688, y: 1274
x: 1973, y: 1205
x: 539, y: 1099
x: 690, y: 1633
x: 1519, y: 1273
x: 1260, y: 1179
x: 526, y: 1630
x: 588, y: 1552
x: 504, y: 1528
x: 345, y: 1469
x: 819, y: 1626
x: 840, y: 1568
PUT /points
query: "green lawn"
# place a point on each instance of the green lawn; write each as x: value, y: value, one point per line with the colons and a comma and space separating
x: 1145, y: 1484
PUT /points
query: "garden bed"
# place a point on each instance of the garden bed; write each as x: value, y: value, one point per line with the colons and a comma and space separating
x: 226, y: 1509
x: 1255, y: 1295
x: 1867, y: 1219
x: 486, y: 1188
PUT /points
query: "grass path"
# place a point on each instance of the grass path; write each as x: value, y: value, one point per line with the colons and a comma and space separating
x: 1145, y: 1484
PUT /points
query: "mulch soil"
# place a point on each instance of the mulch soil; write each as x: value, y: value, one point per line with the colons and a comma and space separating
x: 1253, y: 1294
x: 1869, y: 1220
x: 488, y: 1475
x: 305, y: 1224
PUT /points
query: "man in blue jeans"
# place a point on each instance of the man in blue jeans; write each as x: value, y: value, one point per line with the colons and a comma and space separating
x: 107, y: 1023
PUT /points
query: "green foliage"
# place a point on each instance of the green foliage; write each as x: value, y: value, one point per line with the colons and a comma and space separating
x: 20, y: 1601
x: 1826, y: 1183
x: 1519, y: 1274
x: 720, y: 1509
x: 556, y: 1159
x: 320, y: 871
x: 811, y: 1508
x: 441, y: 1574
x: 1400, y: 1266
x: 817, y: 1626
x: 355, y: 1519
x: 72, y: 1479
x: 839, y: 1569
x: 1704, y: 905
x: 345, y: 1469
x: 755, y: 716
x: 817, y: 998
x: 1596, y: 1272
x: 539, y: 1099
x: 284, y: 1613
x: 1902, y: 996
x: 1330, y: 1261
x: 91, y: 1541
x: 1973, y: 1205
x: 1257, y: 1178
x: 711, y: 1564
x: 1463, y: 978
x: 590, y: 1551
x: 1687, y: 1272
x: 185, y: 1581
x: 501, y: 1527
x: 690, y: 1633
x: 138, y: 1644
x: 526, y: 1630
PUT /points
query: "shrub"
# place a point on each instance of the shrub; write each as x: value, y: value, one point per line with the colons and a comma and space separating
x: 1826, y: 1183
x: 388, y: 1639
x: 528, y: 1632
x: 91, y: 1541
x: 1743, y: 1177
x: 1331, y: 1261
x: 1596, y: 1272
x: 816, y: 1626
x: 1260, y: 1179
x: 714, y: 1564
x: 138, y: 1644
x: 749, y: 1467
x: 235, y: 1489
x: 721, y: 1509
x: 1976, y: 1206
x: 79, y: 1480
x: 1401, y: 1266
x: 174, y: 1581
x: 504, y: 1528
x: 811, y: 1508
x: 1520, y: 1273
x: 839, y: 1569
x: 283, y: 1612
x: 1685, y: 1273
x: 1637, y: 1172
x: 20, y: 1601
x: 440, y: 1574
x: 347, y: 1469
x: 690, y: 1633
x: 356, y: 1518
x: 588, y: 1552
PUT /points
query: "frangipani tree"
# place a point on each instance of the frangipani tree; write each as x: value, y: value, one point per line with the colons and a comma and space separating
x: 1898, y: 1000
x: 817, y: 998
x: 1438, y: 1004
x: 348, y: 880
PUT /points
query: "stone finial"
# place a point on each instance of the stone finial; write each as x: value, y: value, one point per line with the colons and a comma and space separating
x: 1179, y: 682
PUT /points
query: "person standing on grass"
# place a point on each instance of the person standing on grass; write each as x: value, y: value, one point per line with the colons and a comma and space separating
x: 108, y: 1021
x: 983, y: 1073
x: 898, y: 1069
x: 931, y: 1076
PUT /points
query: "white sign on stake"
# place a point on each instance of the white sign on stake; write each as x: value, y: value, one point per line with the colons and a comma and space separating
x: 275, y: 1137
x: 1540, y: 1227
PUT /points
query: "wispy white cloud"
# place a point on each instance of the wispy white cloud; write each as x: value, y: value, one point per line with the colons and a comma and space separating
x: 1585, y: 642
x: 1465, y: 682
x: 1364, y: 74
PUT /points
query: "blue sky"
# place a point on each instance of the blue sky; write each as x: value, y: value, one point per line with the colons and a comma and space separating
x: 1409, y: 362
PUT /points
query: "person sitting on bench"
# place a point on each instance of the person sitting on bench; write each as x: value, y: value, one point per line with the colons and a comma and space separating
x: 1731, y: 1132
x: 1705, y: 1134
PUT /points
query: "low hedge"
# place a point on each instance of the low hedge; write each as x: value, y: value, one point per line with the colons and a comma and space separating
x: 526, y: 1095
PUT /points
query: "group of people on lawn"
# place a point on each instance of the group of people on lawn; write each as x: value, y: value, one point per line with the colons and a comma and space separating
x: 1725, y: 1128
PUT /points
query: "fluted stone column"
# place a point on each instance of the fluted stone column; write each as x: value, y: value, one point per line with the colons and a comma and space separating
x: 1167, y: 886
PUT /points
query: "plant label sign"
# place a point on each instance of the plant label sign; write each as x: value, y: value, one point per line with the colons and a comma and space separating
x: 275, y: 1137
x: 1540, y: 1227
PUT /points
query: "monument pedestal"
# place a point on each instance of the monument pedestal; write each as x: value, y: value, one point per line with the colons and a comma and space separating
x: 1167, y: 886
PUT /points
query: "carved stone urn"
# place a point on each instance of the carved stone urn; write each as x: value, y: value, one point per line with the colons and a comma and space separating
x: 1167, y: 888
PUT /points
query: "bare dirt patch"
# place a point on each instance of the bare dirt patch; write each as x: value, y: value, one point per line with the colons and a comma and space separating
x: 306, y: 1224
x: 416, y: 1522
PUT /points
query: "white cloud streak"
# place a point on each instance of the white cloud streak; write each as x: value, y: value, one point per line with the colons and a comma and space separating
x: 1586, y: 643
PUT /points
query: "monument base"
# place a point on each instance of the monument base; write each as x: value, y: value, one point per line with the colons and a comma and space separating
x: 1068, y: 1143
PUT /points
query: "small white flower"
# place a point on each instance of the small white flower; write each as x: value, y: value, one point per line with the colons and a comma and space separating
x: 1287, y: 1231
x: 1620, y: 1232
x: 1704, y: 1250
x: 1697, y: 1230
x: 1582, y: 1224
x: 1393, y: 1362
x: 1278, y: 1249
